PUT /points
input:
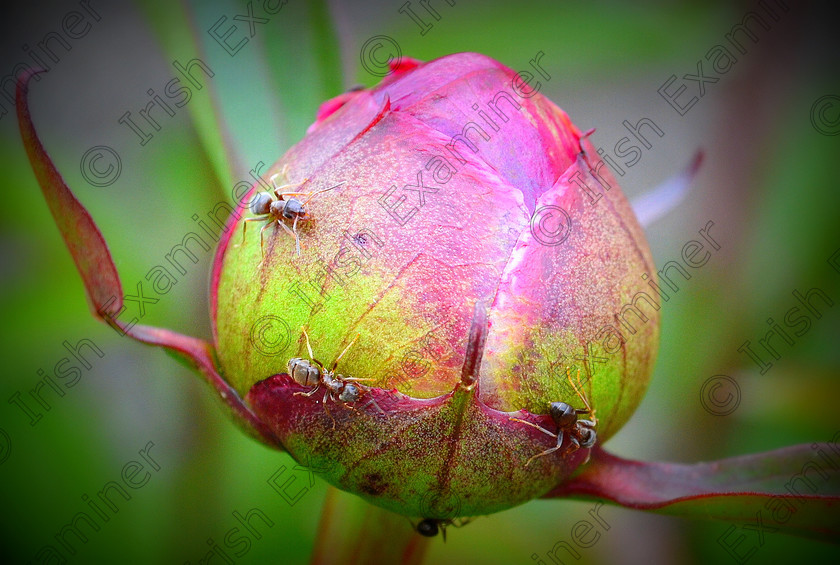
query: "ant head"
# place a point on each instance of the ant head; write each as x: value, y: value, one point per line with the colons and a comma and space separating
x: 562, y: 414
x: 587, y: 437
x: 261, y: 204
x: 350, y: 393
x: 428, y: 527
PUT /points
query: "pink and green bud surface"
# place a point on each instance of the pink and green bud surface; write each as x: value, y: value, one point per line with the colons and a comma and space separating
x: 455, y: 186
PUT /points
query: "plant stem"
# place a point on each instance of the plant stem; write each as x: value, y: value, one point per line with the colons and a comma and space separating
x: 352, y: 531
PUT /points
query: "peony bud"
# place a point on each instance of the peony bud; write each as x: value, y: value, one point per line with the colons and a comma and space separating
x: 463, y: 230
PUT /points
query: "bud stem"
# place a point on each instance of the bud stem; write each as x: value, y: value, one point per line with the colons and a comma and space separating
x: 352, y: 531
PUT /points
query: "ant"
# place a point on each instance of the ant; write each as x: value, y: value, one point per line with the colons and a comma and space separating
x: 309, y: 372
x: 429, y: 527
x: 269, y: 210
x: 581, y: 432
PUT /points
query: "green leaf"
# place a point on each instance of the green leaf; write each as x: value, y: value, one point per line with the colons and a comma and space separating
x: 169, y: 20
x: 303, y: 61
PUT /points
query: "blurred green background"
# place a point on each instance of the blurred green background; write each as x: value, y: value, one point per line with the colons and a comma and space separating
x: 769, y: 184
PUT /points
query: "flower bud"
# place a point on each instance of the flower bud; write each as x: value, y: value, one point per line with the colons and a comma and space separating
x: 471, y: 261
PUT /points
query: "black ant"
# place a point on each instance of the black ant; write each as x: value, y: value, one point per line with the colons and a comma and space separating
x: 581, y: 432
x: 429, y: 527
x: 309, y: 372
x: 269, y: 210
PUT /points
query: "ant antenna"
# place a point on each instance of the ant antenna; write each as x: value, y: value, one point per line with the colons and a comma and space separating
x: 284, y: 171
x: 277, y: 192
x: 309, y: 347
x: 319, y: 192
x: 309, y: 194
x: 579, y: 393
x: 345, y: 351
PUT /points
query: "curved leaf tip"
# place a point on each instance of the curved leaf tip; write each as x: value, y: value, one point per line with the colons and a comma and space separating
x: 80, y: 233
x: 100, y: 277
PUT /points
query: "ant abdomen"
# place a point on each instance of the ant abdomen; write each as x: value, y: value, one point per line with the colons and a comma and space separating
x: 304, y: 372
x: 563, y: 414
x: 261, y: 204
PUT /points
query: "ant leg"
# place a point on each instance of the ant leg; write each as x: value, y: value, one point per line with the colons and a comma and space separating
x: 297, y: 239
x: 280, y: 195
x: 245, y: 225
x: 274, y: 176
x: 558, y: 435
x: 351, y: 407
x: 576, y: 389
x: 284, y: 173
x: 550, y: 450
x: 262, y: 241
x: 574, y: 445
x: 540, y: 428
x: 278, y: 190
x: 327, y: 410
x: 546, y: 452
x: 293, y: 234
x: 310, y: 393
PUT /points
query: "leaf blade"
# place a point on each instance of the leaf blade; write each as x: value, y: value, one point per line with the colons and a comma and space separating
x: 750, y: 489
x: 103, y: 287
x: 81, y: 235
